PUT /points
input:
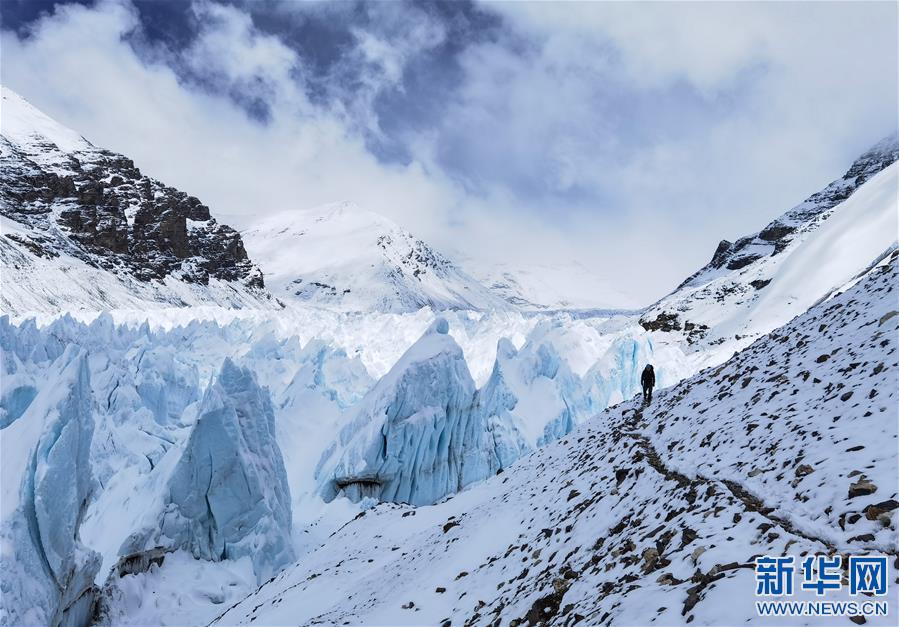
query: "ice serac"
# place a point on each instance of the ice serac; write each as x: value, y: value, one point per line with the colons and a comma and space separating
x: 47, y: 573
x: 415, y: 436
x: 228, y: 493
x: 532, y: 398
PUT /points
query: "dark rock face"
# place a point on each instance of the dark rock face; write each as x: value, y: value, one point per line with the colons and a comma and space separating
x: 665, y: 322
x: 720, y: 256
x: 741, y: 262
x: 112, y: 216
x: 776, y: 236
x: 668, y: 322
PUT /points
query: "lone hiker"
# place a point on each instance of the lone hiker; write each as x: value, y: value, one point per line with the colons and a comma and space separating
x: 648, y: 380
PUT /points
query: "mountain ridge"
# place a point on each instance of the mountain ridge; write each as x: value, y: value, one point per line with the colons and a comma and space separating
x: 800, y: 257
x: 70, y: 209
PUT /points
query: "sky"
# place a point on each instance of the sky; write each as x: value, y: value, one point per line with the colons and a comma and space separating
x: 628, y: 137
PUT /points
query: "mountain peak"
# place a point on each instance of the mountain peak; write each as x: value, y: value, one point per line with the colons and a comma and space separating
x: 26, y: 126
x: 342, y: 256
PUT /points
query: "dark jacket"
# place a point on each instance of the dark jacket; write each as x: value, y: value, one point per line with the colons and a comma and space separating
x: 648, y: 378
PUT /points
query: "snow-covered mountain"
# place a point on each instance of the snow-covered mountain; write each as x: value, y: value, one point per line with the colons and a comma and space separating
x: 544, y: 287
x: 343, y: 257
x: 82, y: 228
x: 160, y: 464
x: 763, y: 280
x: 646, y: 514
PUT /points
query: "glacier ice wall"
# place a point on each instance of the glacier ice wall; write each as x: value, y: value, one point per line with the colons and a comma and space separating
x: 47, y: 573
x: 531, y: 398
x: 415, y: 437
x: 228, y: 493
x: 422, y: 432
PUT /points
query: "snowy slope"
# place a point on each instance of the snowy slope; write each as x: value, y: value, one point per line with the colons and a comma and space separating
x: 646, y: 514
x: 343, y: 257
x: 763, y: 280
x: 543, y: 287
x: 82, y: 228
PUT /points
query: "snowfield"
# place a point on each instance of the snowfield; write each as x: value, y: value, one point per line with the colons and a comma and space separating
x: 349, y: 259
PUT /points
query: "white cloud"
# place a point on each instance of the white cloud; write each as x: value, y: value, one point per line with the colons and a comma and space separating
x: 201, y: 142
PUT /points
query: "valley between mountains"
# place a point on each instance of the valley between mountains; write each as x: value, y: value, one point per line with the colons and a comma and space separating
x: 321, y: 419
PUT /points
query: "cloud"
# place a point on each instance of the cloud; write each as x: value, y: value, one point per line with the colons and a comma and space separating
x: 628, y: 136
x: 188, y: 135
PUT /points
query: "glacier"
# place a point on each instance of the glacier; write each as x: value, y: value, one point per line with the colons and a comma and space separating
x: 164, y: 395
x: 415, y: 437
x: 47, y: 573
x: 228, y: 495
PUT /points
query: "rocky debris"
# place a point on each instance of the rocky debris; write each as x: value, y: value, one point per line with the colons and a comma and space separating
x: 664, y: 322
x: 862, y: 487
x: 874, y: 512
x: 670, y: 322
x: 140, y: 562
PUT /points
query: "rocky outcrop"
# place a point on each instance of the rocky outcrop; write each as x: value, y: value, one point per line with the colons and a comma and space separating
x: 776, y: 236
x: 666, y: 322
x: 97, y: 206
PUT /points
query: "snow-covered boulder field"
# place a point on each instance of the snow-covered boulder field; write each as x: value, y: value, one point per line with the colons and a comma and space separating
x: 646, y: 514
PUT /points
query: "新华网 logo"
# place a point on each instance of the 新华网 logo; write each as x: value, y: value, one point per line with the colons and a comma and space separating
x: 867, y: 577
